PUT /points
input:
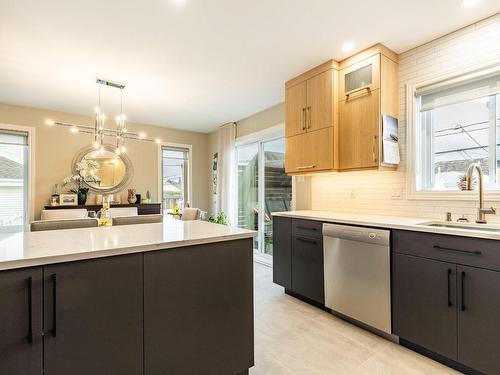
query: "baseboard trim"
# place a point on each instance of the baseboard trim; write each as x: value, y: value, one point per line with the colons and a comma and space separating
x: 307, y: 300
x: 439, y: 358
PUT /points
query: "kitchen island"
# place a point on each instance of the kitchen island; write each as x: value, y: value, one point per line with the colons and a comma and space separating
x: 165, y: 298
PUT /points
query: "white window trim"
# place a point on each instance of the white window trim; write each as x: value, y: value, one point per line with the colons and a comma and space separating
x: 268, y: 134
x: 265, y: 135
x: 31, y: 166
x: 412, y: 122
x: 190, y: 170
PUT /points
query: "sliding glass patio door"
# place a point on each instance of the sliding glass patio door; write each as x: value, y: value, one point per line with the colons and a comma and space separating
x: 262, y: 188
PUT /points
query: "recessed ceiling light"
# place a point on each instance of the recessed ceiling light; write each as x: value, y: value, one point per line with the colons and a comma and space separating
x: 347, y: 47
x: 470, y: 3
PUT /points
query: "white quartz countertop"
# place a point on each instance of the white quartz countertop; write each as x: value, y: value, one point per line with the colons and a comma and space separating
x: 389, y: 222
x: 28, y: 249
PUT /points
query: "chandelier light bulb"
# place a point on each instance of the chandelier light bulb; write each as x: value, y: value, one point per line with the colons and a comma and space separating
x: 50, y: 122
x: 123, y: 149
x: 158, y: 140
x: 117, y: 151
x: 142, y: 135
x: 73, y: 129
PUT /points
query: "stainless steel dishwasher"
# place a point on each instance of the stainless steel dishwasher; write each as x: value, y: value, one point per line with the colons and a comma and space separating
x: 357, y: 274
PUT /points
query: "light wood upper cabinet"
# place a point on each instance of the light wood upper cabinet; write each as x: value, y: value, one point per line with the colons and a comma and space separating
x: 311, y: 117
x: 359, y: 132
x: 320, y: 103
x: 333, y: 113
x: 368, y: 89
x: 295, y: 109
x: 310, y: 152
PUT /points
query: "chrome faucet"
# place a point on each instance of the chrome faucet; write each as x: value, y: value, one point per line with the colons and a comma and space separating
x: 481, y: 211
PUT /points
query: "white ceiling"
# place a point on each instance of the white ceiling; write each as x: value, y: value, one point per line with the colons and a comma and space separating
x: 201, y: 64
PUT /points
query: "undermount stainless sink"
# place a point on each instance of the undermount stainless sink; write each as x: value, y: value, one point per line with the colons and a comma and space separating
x: 468, y: 226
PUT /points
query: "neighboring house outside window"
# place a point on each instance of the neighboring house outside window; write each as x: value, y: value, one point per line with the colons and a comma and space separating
x: 13, y: 180
x: 457, y: 123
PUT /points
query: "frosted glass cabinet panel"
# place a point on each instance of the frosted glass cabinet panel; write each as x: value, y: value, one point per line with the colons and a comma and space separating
x: 360, y: 77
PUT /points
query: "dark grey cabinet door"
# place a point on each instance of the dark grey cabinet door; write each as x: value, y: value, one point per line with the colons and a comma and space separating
x: 282, y: 251
x: 94, y: 326
x: 308, y: 268
x: 21, y: 321
x: 424, y: 303
x: 478, y: 319
x: 198, y: 309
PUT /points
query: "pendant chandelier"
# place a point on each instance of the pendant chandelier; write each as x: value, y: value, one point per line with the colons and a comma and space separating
x: 99, y: 131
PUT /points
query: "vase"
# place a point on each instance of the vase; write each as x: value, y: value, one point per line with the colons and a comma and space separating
x: 131, y: 196
x: 82, y: 198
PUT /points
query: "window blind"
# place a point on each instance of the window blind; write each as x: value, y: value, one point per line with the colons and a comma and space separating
x: 10, y: 137
x: 453, y: 92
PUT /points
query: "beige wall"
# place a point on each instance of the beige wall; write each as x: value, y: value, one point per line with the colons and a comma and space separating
x: 385, y: 192
x: 262, y: 120
x: 55, y: 148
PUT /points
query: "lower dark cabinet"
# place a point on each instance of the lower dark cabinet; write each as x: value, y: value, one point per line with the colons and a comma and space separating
x: 282, y: 251
x: 298, y: 264
x: 186, y: 310
x: 198, y: 309
x: 308, y: 268
x: 424, y: 303
x: 478, y: 319
x: 450, y: 307
x: 21, y: 321
x: 94, y: 324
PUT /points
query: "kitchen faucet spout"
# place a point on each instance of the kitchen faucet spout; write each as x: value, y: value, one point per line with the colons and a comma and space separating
x: 481, y: 212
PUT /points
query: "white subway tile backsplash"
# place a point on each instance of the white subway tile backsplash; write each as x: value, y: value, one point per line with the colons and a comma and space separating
x: 373, y: 192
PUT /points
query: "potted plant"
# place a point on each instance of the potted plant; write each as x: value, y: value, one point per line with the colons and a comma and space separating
x: 219, y: 218
x: 85, y: 171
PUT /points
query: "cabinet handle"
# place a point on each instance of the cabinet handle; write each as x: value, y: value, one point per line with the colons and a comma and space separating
x: 309, y: 110
x: 54, y: 305
x: 307, y: 167
x: 449, y: 288
x: 462, y: 292
x: 304, y: 119
x: 367, y: 88
x: 306, y: 228
x: 308, y: 240
x: 30, y: 309
x: 468, y: 252
x: 374, y: 145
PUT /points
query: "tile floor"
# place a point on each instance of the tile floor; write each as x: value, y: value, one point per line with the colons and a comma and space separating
x: 294, y: 338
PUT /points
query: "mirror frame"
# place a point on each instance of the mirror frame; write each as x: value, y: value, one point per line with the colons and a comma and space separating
x: 129, y: 169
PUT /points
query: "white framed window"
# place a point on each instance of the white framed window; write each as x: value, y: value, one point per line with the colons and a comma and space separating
x: 16, y: 176
x: 451, y: 124
x: 175, y: 175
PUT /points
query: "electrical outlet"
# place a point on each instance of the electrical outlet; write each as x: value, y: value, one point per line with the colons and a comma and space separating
x: 397, y: 194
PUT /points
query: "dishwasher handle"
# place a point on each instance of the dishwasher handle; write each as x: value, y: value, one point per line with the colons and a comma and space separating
x: 360, y: 234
